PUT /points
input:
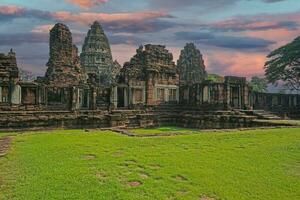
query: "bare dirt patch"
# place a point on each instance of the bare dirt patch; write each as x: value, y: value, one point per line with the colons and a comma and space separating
x: 89, y: 156
x: 134, y: 183
x: 154, y: 166
x: 5, y: 143
x: 206, y: 198
x: 118, y: 154
x: 101, y: 175
x: 180, y: 178
x: 131, y: 162
x: 144, y: 175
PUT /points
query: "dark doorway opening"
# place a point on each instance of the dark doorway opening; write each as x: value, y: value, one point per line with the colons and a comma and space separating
x: 121, y: 100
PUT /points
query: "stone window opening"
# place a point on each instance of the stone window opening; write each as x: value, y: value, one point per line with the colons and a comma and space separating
x: 172, y: 95
x: 160, y: 94
x: 5, y: 93
x: 138, y: 95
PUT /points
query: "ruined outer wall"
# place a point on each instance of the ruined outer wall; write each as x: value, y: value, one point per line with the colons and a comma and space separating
x: 283, y: 104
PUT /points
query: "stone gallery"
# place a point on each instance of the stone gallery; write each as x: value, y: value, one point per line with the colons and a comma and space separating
x: 94, y: 91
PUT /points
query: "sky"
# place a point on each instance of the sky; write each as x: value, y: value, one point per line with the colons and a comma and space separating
x: 234, y: 36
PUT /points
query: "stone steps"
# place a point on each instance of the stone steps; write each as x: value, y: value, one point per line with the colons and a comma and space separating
x: 262, y: 114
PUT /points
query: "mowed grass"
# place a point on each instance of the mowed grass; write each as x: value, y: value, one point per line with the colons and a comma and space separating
x: 261, y: 164
x: 170, y: 130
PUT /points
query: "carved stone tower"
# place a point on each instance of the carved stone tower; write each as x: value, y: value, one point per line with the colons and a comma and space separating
x: 191, y: 65
x: 63, y: 65
x: 96, y: 57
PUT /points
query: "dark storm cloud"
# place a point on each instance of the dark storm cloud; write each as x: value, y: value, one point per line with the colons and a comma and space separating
x: 139, y: 22
x: 147, y: 26
x: 16, y: 39
x: 193, y: 35
x: 126, y: 39
x: 231, y: 42
x: 240, y: 43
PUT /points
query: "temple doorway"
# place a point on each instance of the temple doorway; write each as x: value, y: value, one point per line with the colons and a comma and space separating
x: 235, y: 97
x: 121, y: 95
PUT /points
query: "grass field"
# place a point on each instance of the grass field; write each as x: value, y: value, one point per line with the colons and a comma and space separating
x: 73, y: 164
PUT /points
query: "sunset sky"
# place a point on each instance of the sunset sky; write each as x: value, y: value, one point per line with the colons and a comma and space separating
x: 234, y: 36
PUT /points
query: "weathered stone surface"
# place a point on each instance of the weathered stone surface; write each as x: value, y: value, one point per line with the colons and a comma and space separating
x: 191, y: 65
x: 8, y: 67
x: 152, y: 76
x: 96, y: 57
x: 64, y: 64
x: 152, y: 58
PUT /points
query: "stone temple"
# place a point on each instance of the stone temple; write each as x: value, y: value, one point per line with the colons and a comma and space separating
x: 64, y: 63
x: 191, y: 66
x: 94, y: 91
x: 96, y: 57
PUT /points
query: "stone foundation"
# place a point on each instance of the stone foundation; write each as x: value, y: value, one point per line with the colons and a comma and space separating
x: 127, y: 119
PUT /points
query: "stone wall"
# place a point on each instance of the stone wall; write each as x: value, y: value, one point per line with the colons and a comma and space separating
x: 191, y: 66
x: 282, y: 104
x: 151, y: 71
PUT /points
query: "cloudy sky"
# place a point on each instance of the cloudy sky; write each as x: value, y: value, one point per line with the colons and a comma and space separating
x: 234, y: 36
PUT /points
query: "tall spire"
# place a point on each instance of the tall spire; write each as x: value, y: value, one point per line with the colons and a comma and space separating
x: 96, y: 57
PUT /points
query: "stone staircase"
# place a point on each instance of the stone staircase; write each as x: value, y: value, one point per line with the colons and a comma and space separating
x: 132, y: 119
x: 261, y: 114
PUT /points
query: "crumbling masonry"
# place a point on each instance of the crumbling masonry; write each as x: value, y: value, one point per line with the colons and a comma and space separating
x: 94, y: 91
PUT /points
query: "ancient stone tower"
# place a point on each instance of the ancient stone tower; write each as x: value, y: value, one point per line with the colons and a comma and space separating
x: 96, y: 57
x: 191, y: 65
x: 8, y: 67
x: 64, y: 63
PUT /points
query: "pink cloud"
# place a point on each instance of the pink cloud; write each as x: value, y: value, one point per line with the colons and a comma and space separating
x: 258, y: 22
x: 42, y: 29
x: 281, y: 36
x: 86, y: 3
x: 10, y: 10
x: 235, y: 63
x: 88, y: 17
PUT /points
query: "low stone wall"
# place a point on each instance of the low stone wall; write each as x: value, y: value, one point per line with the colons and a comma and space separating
x: 17, y: 120
x: 53, y: 119
x: 211, y: 120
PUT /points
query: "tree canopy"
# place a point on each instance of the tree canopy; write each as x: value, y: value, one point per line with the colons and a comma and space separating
x: 259, y: 84
x: 284, y: 65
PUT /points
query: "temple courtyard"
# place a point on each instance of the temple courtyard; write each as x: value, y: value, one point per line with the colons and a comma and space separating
x: 157, y: 163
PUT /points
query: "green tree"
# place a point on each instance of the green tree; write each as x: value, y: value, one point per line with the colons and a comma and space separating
x: 259, y: 84
x: 283, y: 65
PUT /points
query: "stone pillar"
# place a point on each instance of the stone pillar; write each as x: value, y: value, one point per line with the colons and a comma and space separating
x: 227, y: 97
x: 166, y: 95
x: 144, y: 95
x: 16, y: 95
x: 130, y: 97
x: 94, y: 99
x: 205, y: 94
x: 126, y: 97
x: 114, y: 96
x: 0, y: 94
x: 73, y: 99
x: 240, y: 97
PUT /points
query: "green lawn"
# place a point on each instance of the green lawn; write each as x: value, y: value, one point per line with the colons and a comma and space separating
x: 261, y: 164
x: 170, y: 130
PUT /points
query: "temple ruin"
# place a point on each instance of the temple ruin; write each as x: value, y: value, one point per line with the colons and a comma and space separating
x: 96, y: 58
x: 94, y: 91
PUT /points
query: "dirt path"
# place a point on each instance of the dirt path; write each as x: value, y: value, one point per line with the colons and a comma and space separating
x: 128, y: 132
x: 5, y: 145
